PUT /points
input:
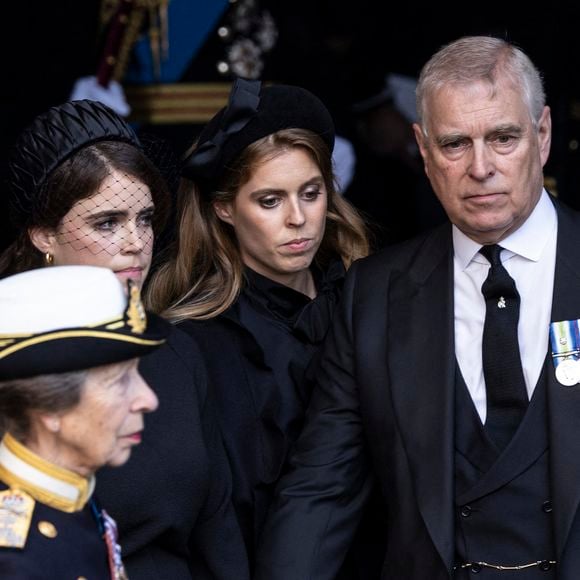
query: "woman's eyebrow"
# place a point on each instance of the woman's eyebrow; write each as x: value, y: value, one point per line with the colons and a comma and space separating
x: 107, y: 213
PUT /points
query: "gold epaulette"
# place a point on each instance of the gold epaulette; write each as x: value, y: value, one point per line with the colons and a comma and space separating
x: 16, y: 508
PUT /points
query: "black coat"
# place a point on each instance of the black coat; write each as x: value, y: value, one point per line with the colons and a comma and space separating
x: 172, y: 499
x: 259, y: 355
x: 384, y: 403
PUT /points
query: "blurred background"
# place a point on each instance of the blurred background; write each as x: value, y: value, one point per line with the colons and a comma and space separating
x: 167, y: 65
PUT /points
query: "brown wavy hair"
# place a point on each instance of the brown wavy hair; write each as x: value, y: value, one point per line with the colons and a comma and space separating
x: 203, y: 273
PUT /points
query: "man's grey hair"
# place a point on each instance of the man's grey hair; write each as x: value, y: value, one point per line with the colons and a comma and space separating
x: 480, y: 58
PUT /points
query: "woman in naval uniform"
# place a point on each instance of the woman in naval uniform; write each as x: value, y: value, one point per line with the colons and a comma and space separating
x: 71, y: 401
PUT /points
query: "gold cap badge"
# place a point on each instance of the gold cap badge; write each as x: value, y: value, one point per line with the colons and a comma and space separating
x: 136, y: 317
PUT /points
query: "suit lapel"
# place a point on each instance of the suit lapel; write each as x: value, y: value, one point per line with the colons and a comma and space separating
x: 421, y: 373
x: 564, y: 402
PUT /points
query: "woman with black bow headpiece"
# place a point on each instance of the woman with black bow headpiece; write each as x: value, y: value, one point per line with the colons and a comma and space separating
x: 256, y: 271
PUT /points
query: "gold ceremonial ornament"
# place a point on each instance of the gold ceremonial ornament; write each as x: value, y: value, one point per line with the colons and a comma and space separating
x: 136, y: 317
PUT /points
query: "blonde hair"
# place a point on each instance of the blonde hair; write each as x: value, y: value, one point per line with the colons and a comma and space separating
x: 203, y: 275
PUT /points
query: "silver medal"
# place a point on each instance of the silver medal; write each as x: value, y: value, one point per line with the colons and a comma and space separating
x: 568, y: 372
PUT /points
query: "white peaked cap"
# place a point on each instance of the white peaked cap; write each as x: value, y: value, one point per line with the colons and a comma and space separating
x: 60, y: 297
x: 68, y: 318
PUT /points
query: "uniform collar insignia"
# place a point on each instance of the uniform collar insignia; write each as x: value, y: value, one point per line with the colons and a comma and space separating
x: 46, y: 482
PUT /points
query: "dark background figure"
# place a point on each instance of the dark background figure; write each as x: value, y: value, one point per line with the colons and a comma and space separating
x: 389, y: 185
x: 46, y: 46
x: 337, y: 49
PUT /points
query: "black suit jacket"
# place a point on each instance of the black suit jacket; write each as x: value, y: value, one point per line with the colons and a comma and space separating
x: 384, y: 407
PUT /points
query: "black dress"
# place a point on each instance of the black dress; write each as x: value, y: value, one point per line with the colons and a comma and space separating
x: 260, y: 355
x: 172, y: 499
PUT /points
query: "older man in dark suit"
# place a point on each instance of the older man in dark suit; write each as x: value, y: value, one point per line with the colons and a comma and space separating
x: 451, y: 373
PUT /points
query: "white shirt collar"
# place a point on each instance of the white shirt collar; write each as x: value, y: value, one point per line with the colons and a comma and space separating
x: 528, y: 241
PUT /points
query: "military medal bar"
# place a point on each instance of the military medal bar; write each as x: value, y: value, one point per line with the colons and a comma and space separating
x: 565, y: 343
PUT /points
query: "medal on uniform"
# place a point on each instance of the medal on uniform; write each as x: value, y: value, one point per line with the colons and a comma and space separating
x: 565, y: 343
x: 113, y: 549
x: 568, y: 372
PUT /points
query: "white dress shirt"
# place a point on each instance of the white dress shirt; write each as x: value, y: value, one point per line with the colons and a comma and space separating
x: 530, y: 259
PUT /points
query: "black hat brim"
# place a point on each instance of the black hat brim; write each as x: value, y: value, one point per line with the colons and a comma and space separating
x: 75, y: 349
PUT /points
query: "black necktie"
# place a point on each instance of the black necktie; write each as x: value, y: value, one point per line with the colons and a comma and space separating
x: 506, y: 393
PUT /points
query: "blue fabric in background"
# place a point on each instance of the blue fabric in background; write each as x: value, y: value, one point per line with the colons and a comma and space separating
x: 189, y: 23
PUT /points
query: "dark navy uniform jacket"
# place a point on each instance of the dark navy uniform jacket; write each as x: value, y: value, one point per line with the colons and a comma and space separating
x: 76, y: 551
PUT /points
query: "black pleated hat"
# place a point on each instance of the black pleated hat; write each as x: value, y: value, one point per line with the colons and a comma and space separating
x: 253, y: 112
x: 49, y: 141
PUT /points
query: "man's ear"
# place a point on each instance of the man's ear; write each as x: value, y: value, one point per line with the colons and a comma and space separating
x: 420, y: 138
x: 545, y: 135
x: 422, y: 144
x: 43, y: 239
x: 224, y: 211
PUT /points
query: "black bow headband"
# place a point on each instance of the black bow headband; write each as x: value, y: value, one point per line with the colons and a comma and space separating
x: 254, y: 112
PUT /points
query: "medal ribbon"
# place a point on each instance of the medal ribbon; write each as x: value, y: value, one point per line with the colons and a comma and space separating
x: 113, y: 548
x: 108, y: 529
x: 564, y: 339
